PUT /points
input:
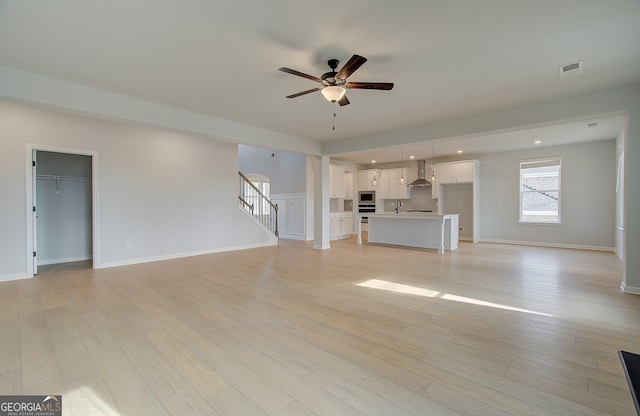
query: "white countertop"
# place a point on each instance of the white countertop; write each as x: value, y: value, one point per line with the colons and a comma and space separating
x: 410, y: 215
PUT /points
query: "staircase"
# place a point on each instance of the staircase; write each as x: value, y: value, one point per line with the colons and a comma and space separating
x: 543, y: 193
x: 257, y: 205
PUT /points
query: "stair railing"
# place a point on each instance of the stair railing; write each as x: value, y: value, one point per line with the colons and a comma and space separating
x: 256, y: 204
x: 543, y: 193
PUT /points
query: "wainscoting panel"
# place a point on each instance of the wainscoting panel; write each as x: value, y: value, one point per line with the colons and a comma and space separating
x: 291, y: 215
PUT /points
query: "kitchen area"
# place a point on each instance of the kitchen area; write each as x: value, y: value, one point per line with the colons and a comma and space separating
x: 416, y: 205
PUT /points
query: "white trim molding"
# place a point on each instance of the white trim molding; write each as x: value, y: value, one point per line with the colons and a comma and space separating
x: 14, y: 276
x: 630, y: 289
x: 129, y: 262
x: 544, y: 244
x: 95, y: 220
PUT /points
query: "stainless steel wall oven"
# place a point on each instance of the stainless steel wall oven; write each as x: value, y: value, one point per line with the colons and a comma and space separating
x: 366, y: 204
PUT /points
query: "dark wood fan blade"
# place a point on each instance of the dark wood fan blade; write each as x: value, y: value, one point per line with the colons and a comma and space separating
x: 351, y: 66
x: 370, y: 85
x: 300, y: 74
x: 298, y: 94
x: 343, y: 101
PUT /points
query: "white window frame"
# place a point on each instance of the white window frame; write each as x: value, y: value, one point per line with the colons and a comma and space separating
x: 537, y: 163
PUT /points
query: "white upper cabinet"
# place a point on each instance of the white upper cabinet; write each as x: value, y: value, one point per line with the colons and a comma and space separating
x: 455, y: 172
x: 385, y: 184
x: 390, y: 186
x: 403, y: 189
x: 336, y: 181
x: 348, y: 185
x: 464, y: 171
x: 365, y: 180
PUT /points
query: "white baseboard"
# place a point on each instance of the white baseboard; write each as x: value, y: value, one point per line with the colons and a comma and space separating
x: 630, y: 289
x: 321, y: 247
x: 14, y: 276
x: 129, y: 262
x: 551, y: 245
x: 619, y: 254
x: 293, y: 237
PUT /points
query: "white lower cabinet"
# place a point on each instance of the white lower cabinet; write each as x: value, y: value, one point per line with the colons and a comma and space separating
x: 340, y: 225
x: 346, y: 226
x: 334, y: 225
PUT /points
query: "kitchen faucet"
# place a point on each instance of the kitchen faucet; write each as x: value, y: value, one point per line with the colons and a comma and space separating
x: 398, y: 205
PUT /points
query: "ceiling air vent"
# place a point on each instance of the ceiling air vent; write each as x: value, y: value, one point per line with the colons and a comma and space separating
x: 571, y: 70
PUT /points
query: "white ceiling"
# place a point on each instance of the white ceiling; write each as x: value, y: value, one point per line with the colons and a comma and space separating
x: 448, y: 58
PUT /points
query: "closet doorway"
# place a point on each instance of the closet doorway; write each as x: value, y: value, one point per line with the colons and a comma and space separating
x: 62, y: 199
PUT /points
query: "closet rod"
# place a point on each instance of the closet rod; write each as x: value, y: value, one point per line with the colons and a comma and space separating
x: 63, y: 178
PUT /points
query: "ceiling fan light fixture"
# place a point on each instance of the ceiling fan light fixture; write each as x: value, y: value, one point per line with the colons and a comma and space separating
x: 333, y: 93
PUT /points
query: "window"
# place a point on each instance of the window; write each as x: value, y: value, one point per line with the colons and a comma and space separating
x: 540, y: 190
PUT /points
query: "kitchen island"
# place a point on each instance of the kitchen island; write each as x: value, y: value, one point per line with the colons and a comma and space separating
x: 422, y: 230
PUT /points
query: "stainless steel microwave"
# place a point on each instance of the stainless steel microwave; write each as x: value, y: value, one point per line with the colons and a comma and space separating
x: 366, y: 197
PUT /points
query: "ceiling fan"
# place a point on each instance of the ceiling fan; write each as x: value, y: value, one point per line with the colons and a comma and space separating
x: 334, y: 85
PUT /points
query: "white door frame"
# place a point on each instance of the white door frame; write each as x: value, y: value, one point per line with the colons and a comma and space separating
x: 95, y: 230
x: 34, y: 214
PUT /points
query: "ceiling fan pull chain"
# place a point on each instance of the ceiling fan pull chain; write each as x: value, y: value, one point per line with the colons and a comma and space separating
x: 334, y: 116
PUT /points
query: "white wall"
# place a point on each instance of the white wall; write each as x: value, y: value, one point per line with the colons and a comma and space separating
x: 168, y: 194
x: 587, y: 197
x: 287, y: 171
x: 457, y: 198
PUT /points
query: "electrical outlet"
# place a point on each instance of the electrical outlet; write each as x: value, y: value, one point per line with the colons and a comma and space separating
x: 128, y: 244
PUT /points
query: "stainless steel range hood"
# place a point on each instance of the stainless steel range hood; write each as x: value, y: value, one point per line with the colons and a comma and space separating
x: 421, y: 181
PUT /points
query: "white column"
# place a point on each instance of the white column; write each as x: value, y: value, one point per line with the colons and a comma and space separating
x: 321, y: 202
x: 310, y: 204
x: 631, y: 221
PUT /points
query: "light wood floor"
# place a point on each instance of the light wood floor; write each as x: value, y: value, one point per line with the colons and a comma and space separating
x: 487, y: 329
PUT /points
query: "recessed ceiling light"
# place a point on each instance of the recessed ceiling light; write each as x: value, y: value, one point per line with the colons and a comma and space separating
x: 412, y: 156
x: 537, y: 141
x: 458, y: 151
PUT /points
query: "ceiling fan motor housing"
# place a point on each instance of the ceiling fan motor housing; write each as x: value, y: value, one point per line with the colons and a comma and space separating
x: 329, y: 78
